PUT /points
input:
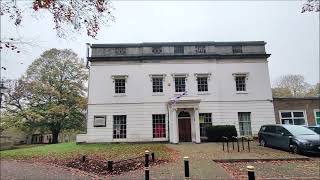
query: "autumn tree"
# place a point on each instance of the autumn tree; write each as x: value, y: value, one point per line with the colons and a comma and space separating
x: 314, y: 91
x: 51, y: 95
x: 292, y: 85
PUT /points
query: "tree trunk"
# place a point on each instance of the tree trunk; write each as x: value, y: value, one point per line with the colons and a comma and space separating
x: 55, y: 135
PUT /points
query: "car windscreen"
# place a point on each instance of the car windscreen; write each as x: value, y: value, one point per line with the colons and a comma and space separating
x: 299, y: 130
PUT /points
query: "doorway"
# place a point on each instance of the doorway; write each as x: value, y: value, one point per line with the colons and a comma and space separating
x: 184, y: 123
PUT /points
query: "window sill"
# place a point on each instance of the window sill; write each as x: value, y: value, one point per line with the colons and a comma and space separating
x: 157, y: 94
x: 119, y: 95
x: 242, y: 92
x: 203, y: 93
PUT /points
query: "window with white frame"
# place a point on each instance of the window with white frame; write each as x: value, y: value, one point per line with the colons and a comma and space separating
x: 205, y: 119
x: 180, y: 84
x: 157, y: 84
x: 159, y: 125
x: 202, y: 83
x: 244, y: 123
x: 99, y: 121
x: 119, y: 84
x: 293, y: 117
x: 200, y: 49
x: 240, y: 83
x: 317, y: 116
x: 119, y: 126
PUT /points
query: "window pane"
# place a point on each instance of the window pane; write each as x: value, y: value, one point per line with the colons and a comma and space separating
x: 120, y: 85
x: 318, y: 114
x: 157, y: 84
x: 298, y: 114
x: 318, y: 120
x: 285, y: 114
x: 180, y: 84
x: 244, y: 123
x: 241, y: 83
x: 159, y: 125
x: 202, y: 84
x: 299, y: 122
x: 205, y: 119
x: 178, y: 49
x: 287, y: 121
x: 119, y: 126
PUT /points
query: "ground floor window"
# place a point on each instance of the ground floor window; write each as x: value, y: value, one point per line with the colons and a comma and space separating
x: 317, y: 116
x: 244, y: 123
x: 159, y: 125
x: 205, y: 119
x: 293, y: 117
x: 119, y: 126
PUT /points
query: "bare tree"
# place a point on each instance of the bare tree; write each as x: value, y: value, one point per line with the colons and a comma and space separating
x: 311, y: 6
x: 293, y: 83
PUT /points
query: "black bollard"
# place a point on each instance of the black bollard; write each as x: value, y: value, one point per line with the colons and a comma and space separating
x: 83, y: 159
x: 238, y: 144
x: 110, y: 166
x: 250, y: 170
x: 248, y: 144
x: 152, y: 157
x: 233, y: 144
x: 228, y: 144
x: 242, y: 143
x: 223, y: 145
x: 146, y: 166
x: 186, y: 168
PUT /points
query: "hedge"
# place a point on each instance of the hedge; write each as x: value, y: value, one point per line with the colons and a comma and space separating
x: 215, y: 133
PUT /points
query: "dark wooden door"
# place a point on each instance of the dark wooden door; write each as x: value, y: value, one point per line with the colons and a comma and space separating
x: 184, y: 130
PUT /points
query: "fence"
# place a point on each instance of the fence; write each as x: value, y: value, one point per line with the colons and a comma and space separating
x: 236, y: 139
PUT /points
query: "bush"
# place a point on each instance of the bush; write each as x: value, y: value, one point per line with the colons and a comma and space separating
x: 215, y: 133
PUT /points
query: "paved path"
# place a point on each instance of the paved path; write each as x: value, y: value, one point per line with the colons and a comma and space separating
x: 36, y: 171
x: 201, y: 165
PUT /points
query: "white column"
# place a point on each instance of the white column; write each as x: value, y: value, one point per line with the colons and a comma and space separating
x: 197, y: 125
x: 175, y: 126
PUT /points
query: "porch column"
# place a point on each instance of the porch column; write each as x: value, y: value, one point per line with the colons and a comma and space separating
x: 197, y: 125
x: 175, y: 126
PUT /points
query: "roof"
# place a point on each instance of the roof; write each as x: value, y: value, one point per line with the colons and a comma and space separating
x: 207, y: 43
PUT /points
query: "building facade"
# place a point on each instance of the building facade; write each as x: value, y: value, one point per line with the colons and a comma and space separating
x: 170, y: 91
x: 297, y: 111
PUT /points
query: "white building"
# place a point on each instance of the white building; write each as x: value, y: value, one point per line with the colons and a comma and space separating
x: 134, y: 89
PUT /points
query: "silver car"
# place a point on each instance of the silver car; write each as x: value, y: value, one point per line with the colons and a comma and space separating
x: 297, y: 139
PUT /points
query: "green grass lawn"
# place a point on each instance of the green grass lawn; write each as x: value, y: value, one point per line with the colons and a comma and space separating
x: 68, y: 150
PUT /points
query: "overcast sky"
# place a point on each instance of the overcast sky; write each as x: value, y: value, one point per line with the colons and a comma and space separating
x: 292, y: 38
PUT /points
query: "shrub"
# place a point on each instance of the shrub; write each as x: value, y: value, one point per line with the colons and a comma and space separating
x: 215, y: 133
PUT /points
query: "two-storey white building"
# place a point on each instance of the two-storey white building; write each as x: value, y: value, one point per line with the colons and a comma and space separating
x: 171, y: 91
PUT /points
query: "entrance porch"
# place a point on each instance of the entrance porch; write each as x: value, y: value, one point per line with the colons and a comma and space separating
x: 184, y: 120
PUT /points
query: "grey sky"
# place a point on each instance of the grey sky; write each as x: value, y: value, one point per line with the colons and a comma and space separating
x: 292, y: 38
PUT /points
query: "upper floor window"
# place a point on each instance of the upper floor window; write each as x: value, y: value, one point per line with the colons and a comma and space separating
x: 157, y: 84
x: 236, y: 49
x: 178, y: 49
x: 120, y: 51
x: 202, y: 83
x: 293, y: 117
x: 157, y: 50
x: 200, y: 49
x: 240, y: 79
x: 119, y: 84
x: 180, y: 84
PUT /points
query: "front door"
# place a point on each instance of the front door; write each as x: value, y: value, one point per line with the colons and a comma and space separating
x: 184, y: 129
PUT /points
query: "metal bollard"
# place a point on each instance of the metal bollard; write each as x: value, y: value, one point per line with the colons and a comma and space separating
x: 152, y: 157
x: 186, y: 168
x: 83, y: 159
x: 233, y: 144
x: 110, y: 166
x: 238, y: 144
x: 250, y: 170
x: 223, y: 145
x: 228, y: 144
x: 146, y: 166
x: 248, y: 144
x: 242, y: 143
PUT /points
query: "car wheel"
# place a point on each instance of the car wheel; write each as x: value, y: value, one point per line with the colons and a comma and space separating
x: 295, y: 149
x: 263, y: 143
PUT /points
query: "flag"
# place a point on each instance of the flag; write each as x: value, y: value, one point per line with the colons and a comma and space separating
x: 176, y: 98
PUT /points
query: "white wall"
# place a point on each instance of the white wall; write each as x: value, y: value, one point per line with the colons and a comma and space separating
x: 139, y: 103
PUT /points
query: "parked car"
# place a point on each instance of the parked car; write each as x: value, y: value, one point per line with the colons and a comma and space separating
x: 315, y: 129
x: 295, y: 138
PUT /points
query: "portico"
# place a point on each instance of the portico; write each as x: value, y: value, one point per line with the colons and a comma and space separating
x: 184, y: 120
